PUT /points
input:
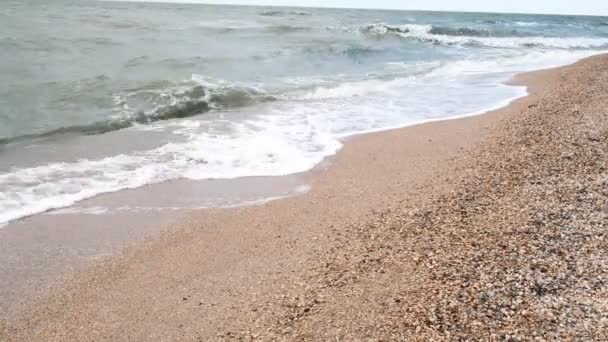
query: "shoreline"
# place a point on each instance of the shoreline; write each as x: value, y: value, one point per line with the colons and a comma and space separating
x: 341, y: 139
x: 342, y: 194
x: 84, y: 237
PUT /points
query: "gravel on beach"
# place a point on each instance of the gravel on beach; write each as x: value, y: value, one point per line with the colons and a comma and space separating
x: 512, y: 243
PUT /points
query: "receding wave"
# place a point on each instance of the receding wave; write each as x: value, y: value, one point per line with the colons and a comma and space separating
x: 158, y: 102
x: 463, y: 36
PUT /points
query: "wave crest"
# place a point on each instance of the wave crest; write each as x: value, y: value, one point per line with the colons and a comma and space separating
x: 162, y: 101
x: 464, y: 36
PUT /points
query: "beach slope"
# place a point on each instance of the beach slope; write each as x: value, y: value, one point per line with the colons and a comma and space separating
x: 488, y: 227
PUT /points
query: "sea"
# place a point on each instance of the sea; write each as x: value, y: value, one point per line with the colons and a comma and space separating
x: 99, y: 97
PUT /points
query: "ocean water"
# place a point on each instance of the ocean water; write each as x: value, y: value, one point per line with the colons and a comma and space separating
x: 98, y: 97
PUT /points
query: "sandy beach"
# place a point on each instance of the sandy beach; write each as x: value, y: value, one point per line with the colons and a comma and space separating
x: 490, y: 227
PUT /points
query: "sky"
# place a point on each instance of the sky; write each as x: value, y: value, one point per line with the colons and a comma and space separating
x: 587, y: 7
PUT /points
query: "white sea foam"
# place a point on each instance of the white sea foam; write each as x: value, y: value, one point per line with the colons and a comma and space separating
x: 526, y: 23
x: 519, y: 63
x: 425, y: 33
x: 261, y: 148
x: 440, y: 71
x: 353, y: 89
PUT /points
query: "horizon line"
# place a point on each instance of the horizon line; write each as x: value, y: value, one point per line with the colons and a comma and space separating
x: 195, y: 2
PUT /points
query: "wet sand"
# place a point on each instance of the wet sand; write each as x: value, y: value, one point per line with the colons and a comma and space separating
x: 37, y: 250
x: 337, y: 262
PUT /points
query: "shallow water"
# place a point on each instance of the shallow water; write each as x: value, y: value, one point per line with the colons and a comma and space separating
x: 97, y: 97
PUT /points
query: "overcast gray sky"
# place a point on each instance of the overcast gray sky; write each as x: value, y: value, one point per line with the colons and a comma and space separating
x: 591, y: 7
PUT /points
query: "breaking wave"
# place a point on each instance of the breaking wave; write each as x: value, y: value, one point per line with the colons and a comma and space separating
x: 464, y: 36
x: 162, y: 101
